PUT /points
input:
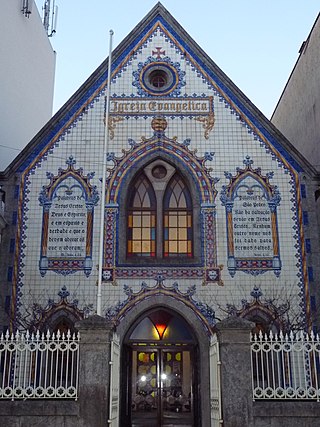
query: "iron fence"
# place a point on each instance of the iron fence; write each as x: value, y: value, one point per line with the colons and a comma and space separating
x: 285, y: 366
x: 39, y: 366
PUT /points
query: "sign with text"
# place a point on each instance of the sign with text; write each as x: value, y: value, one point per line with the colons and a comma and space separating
x: 67, y: 225
x: 252, y: 225
x: 163, y: 106
x: 68, y: 204
x: 251, y: 212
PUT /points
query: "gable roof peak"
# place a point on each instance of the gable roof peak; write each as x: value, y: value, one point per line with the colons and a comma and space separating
x: 80, y: 99
x: 157, y: 10
x: 159, y: 6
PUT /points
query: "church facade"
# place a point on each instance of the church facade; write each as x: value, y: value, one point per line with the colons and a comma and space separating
x: 208, y: 214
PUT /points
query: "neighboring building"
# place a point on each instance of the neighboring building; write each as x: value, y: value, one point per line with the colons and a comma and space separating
x: 26, y: 76
x: 297, y: 113
x: 209, y: 213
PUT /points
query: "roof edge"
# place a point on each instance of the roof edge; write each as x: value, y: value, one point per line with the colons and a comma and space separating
x: 225, y: 83
x: 301, y: 52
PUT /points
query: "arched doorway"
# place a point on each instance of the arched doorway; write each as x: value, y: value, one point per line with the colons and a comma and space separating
x: 160, y: 375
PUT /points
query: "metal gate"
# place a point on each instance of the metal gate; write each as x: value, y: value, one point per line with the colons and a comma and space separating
x: 215, y: 386
x: 114, y: 382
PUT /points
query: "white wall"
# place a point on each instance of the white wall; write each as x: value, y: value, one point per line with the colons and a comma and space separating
x: 26, y: 78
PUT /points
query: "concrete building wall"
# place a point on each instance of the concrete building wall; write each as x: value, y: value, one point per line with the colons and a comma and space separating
x: 8, y: 232
x: 26, y: 78
x: 297, y: 114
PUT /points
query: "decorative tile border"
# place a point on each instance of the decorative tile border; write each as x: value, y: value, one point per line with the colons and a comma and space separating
x: 206, y: 188
x: 202, y: 310
x: 62, y: 127
x: 252, y: 229
x: 68, y: 205
x: 172, y: 68
x: 161, y: 26
x: 161, y: 143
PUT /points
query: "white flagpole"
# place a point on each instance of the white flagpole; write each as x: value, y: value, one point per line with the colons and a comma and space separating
x: 104, y: 177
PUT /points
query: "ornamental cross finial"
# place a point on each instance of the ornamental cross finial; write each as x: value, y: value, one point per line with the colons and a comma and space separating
x: 158, y: 52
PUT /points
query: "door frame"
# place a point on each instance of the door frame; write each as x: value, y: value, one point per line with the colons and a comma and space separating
x: 126, y: 381
x: 137, y: 309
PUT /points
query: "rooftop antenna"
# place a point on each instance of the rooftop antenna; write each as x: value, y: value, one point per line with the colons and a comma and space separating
x: 50, y: 17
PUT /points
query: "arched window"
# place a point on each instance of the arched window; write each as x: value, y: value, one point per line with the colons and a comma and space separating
x: 177, y: 219
x: 159, y: 214
x: 142, y: 219
x: 64, y: 325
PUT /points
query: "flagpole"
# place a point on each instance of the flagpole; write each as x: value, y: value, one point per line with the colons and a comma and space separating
x: 104, y: 178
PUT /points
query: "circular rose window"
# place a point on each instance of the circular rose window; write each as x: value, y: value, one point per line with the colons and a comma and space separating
x: 159, y: 78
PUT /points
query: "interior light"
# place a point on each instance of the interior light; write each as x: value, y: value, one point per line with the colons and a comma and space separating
x: 143, y: 378
x: 160, y: 320
x: 163, y: 376
x: 160, y: 329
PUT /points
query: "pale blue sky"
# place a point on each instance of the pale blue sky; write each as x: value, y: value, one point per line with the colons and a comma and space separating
x: 255, y: 42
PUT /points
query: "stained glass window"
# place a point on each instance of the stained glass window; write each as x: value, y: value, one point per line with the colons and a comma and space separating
x: 159, y: 215
x: 158, y: 78
x: 177, y: 219
x: 141, y: 239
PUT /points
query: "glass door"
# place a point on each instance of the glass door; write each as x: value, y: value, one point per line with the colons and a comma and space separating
x: 176, y: 387
x: 161, y: 387
x: 145, y: 388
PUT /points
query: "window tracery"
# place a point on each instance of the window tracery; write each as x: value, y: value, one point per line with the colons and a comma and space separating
x: 159, y: 214
x: 141, y: 239
x: 177, y: 219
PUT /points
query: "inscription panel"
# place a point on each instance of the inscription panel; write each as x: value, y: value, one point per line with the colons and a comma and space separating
x: 251, y: 204
x: 68, y: 205
x: 67, y: 224
x: 252, y: 224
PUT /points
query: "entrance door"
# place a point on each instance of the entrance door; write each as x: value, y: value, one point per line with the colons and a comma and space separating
x: 161, y: 386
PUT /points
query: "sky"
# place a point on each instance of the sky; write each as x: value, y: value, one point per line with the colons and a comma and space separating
x: 255, y: 42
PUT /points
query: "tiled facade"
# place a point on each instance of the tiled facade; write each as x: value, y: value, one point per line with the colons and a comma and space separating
x: 245, y: 182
